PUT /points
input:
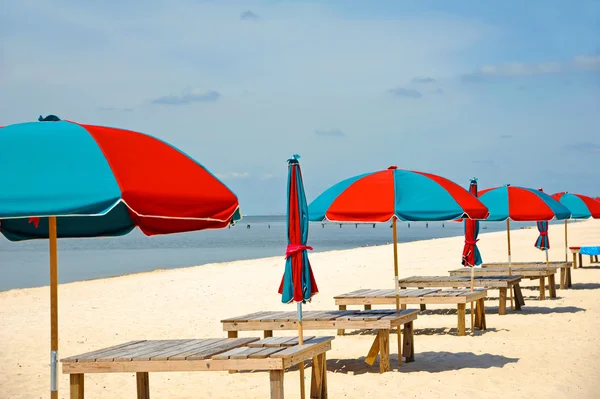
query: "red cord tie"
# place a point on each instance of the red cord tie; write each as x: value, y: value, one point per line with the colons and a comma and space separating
x: 544, y: 233
x: 471, y: 242
x: 294, y: 248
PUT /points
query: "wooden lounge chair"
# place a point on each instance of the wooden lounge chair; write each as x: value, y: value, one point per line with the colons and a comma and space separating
x: 501, y: 283
x: 382, y: 320
x: 143, y: 357
x: 565, y: 269
x: 532, y: 273
x: 577, y: 251
x: 460, y: 297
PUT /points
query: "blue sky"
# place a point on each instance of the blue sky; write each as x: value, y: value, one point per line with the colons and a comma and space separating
x: 507, y: 91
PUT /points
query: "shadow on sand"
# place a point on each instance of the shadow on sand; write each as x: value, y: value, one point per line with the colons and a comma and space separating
x: 431, y: 362
x: 585, y: 286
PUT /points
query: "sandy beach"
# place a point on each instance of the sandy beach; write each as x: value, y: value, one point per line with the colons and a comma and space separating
x: 551, y: 349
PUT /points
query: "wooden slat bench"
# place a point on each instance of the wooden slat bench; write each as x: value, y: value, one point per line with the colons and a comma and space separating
x: 220, y: 354
x: 531, y: 273
x: 460, y: 297
x: 382, y: 320
x: 577, y: 251
x: 565, y: 269
x: 502, y: 283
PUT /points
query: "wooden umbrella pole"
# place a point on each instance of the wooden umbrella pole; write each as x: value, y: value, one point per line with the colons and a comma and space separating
x: 301, y: 342
x: 396, y: 286
x: 547, y: 263
x: 509, y: 262
x: 53, y: 308
x: 472, y: 289
x: 566, y: 245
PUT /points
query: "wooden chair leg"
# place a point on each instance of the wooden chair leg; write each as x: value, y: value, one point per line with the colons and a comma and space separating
x: 409, y: 342
x: 232, y: 334
x: 318, y: 386
x: 580, y: 260
x: 367, y: 307
x: 341, y: 331
x: 552, y: 286
x: 542, y: 288
x: 143, y: 385
x: 563, y: 277
x: 574, y: 260
x: 399, y: 338
x: 276, y: 380
x: 77, y: 387
x: 268, y: 333
x: 373, y: 351
x: 384, y: 350
x: 461, y: 320
x: 483, y: 325
x: 423, y: 306
x: 569, y: 278
x: 502, y: 307
x: 519, y: 301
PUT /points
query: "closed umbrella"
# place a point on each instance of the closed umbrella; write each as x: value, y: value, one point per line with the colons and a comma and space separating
x: 298, y: 283
x: 471, y: 256
x: 64, y: 179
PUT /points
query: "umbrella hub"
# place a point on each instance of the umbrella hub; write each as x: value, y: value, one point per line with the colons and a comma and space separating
x: 49, y: 118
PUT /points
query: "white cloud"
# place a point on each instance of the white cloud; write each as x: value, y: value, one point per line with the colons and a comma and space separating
x: 508, y: 69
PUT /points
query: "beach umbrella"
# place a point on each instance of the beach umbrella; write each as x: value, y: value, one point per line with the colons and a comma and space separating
x: 395, y: 194
x: 64, y: 179
x: 298, y: 283
x: 520, y: 204
x: 581, y: 207
x: 543, y: 241
x: 471, y: 256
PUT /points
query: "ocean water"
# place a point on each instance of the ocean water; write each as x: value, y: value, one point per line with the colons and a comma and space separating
x: 26, y: 264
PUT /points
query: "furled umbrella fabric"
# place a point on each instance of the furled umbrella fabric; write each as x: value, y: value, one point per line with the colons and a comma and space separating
x: 581, y: 207
x: 471, y: 255
x: 542, y: 242
x: 63, y: 179
x: 298, y: 283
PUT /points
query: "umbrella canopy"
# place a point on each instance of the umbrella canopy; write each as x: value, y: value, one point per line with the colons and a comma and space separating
x: 395, y: 194
x: 63, y: 179
x: 521, y: 204
x: 298, y: 283
x: 581, y: 206
x: 471, y: 255
x: 542, y: 242
x: 102, y: 181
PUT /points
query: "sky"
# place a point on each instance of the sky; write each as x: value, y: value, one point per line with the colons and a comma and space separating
x: 505, y: 91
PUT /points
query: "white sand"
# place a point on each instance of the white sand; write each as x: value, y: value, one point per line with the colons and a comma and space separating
x: 549, y: 350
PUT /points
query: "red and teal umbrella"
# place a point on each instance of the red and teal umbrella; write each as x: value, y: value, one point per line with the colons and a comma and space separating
x: 64, y: 179
x: 521, y: 204
x: 395, y: 194
x: 581, y: 207
x: 298, y: 283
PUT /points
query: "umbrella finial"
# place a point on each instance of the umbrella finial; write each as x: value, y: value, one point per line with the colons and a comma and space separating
x: 393, y: 167
x: 49, y: 118
x: 474, y: 180
x: 294, y: 158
